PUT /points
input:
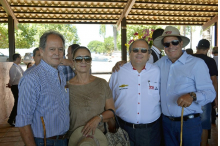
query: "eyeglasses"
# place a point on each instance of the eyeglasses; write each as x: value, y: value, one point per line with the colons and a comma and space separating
x: 79, y: 59
x: 143, y: 50
x: 174, y: 42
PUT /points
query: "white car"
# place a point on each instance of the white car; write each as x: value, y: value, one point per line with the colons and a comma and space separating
x: 3, y: 58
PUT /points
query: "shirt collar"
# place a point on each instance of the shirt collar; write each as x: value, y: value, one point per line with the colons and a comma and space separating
x: 49, y: 68
x: 146, y: 67
x: 182, y: 58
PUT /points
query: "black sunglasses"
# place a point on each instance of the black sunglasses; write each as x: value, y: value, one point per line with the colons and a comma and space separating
x: 143, y: 50
x: 79, y: 59
x: 174, y: 42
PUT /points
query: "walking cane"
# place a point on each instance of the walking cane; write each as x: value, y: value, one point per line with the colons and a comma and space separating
x: 181, y: 132
x: 45, y: 142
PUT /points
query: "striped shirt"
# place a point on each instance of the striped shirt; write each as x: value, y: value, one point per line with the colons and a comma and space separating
x: 68, y: 72
x: 42, y: 94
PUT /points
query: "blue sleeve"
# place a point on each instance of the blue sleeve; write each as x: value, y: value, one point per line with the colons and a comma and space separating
x: 27, y: 101
x: 205, y: 91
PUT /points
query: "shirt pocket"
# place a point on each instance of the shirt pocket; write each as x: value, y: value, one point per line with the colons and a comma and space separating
x: 153, y: 88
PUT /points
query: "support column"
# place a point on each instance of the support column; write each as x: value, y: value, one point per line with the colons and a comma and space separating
x: 123, y: 39
x: 11, y: 37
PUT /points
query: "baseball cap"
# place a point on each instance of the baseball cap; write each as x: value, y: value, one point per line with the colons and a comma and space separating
x: 203, y: 43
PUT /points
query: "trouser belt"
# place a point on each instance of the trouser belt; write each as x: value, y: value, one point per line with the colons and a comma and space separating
x: 185, y: 118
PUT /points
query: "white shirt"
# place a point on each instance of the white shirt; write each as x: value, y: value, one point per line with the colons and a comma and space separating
x: 151, y: 59
x: 15, y: 74
x: 136, y: 95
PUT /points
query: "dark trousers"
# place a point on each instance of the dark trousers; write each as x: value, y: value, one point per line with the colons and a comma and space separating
x: 192, y: 131
x: 14, y: 90
x: 148, y: 136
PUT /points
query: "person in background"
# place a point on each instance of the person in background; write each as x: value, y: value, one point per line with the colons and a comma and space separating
x: 37, y: 58
x: 135, y: 89
x: 189, y: 51
x: 201, y: 52
x: 42, y: 94
x: 214, y: 107
x: 215, y: 54
x: 156, y: 53
x: 29, y: 65
x: 90, y: 96
x: 68, y: 72
x: 15, y: 74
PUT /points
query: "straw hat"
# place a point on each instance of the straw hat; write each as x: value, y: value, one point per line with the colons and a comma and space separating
x: 77, y: 139
x: 170, y: 31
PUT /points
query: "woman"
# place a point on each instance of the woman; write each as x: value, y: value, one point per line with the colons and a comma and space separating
x: 90, y: 96
x: 29, y: 65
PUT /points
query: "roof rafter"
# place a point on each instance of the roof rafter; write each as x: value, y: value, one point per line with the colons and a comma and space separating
x: 125, y: 12
x: 9, y: 11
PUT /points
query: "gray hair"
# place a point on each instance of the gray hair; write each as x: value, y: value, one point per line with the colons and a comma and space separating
x: 43, y: 38
x: 130, y: 47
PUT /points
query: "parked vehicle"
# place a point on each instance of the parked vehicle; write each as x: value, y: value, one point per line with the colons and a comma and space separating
x: 28, y: 57
x: 3, y: 58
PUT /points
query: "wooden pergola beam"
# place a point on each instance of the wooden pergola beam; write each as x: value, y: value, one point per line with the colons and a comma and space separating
x: 125, y: 12
x: 9, y: 11
x: 210, y: 23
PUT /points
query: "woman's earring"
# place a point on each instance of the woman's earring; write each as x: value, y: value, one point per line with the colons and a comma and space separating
x: 73, y: 67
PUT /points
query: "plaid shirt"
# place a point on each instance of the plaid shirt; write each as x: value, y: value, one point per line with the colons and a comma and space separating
x: 68, y: 72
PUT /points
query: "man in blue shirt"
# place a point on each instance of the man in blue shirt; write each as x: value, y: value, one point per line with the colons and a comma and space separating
x: 185, y: 82
x: 42, y: 93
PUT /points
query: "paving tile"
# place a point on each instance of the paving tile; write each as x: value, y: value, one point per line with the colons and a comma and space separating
x: 10, y: 139
x: 20, y: 143
x: 4, y: 130
x: 12, y: 134
x: 2, y: 134
x: 14, y: 129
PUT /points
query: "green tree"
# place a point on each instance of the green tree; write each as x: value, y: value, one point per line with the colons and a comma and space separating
x: 28, y: 35
x: 96, y: 46
x: 3, y: 35
x: 109, y: 44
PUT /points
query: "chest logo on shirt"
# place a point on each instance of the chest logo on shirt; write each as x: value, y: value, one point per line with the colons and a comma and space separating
x: 123, y: 87
x: 151, y: 87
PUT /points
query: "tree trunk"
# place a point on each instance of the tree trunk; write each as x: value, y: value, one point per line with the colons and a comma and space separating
x: 115, y: 37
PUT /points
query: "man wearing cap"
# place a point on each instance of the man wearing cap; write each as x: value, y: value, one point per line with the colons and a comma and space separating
x: 202, y: 50
x: 185, y: 83
x: 155, y: 51
x: 135, y: 89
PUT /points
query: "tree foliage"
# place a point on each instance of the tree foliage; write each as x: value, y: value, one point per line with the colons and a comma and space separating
x: 28, y: 35
x: 109, y: 44
x: 131, y: 29
x: 96, y: 46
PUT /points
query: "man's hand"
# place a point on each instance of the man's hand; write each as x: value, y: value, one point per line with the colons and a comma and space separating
x: 185, y: 100
x: 118, y: 65
x: 7, y: 85
x: 66, y: 62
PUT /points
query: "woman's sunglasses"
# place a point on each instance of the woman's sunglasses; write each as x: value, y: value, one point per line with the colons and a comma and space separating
x: 79, y: 59
x: 174, y: 42
x: 143, y: 50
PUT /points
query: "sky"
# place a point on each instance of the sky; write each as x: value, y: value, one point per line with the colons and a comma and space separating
x: 90, y: 32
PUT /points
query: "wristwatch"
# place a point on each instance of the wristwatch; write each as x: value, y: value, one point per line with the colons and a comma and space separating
x: 101, y: 117
x: 193, y: 95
